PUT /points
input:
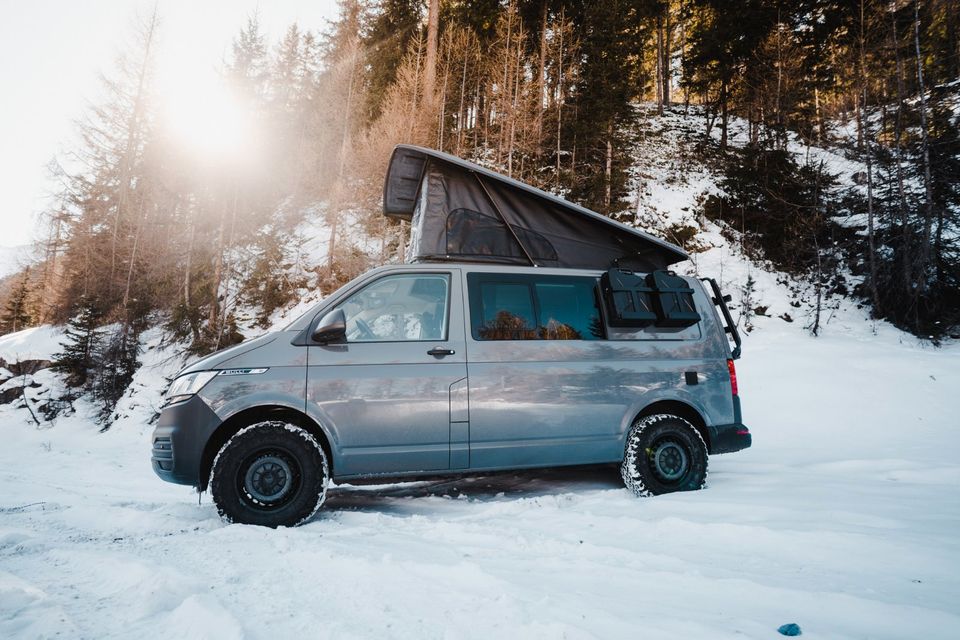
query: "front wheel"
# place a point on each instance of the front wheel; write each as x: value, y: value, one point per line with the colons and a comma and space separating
x: 664, y: 453
x: 272, y: 474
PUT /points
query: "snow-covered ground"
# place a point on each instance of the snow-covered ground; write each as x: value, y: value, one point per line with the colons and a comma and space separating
x: 843, y: 518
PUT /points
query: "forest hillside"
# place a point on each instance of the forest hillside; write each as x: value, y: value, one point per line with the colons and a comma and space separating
x: 812, y: 139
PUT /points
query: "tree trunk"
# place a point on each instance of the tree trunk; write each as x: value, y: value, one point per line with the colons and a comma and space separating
x: 898, y: 153
x: 186, y: 279
x: 504, y: 87
x: 560, y: 98
x: 817, y: 112
x: 461, y: 114
x: 334, y: 203
x: 815, y: 328
x: 781, y: 134
x: 659, y: 74
x: 924, y: 257
x: 411, y: 120
x: 133, y: 258
x: 514, y: 108
x: 430, y: 73
x: 863, y: 120
x: 441, y: 125
x: 666, y: 55
x: 683, y: 52
x: 857, y: 99
x: 217, y: 273
x: 134, y: 127
x: 542, y: 79
x: 723, y: 115
x: 608, y: 171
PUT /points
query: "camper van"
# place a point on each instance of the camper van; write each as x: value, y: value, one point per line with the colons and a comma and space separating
x: 522, y: 332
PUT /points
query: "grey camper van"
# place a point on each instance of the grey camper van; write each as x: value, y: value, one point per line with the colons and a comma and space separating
x: 523, y: 332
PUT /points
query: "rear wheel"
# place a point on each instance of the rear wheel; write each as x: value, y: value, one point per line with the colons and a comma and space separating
x: 664, y: 453
x: 271, y: 473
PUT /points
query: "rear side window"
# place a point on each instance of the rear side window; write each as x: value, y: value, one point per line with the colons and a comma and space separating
x: 530, y: 307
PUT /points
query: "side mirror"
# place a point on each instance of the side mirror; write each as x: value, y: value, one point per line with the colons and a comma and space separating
x: 332, y: 328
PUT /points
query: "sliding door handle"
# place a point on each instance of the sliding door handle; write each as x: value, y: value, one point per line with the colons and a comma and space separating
x: 439, y: 352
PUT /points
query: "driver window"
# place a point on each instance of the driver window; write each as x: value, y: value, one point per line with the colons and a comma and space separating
x: 399, y: 308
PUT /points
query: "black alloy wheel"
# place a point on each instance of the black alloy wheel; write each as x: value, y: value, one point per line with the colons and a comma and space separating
x: 664, y: 453
x: 273, y: 474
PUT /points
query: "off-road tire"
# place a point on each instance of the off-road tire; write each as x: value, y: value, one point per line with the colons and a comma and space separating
x: 660, y: 447
x: 273, y: 474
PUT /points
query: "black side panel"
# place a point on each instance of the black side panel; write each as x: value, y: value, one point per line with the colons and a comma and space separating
x: 628, y: 299
x: 674, y: 300
x: 403, y: 182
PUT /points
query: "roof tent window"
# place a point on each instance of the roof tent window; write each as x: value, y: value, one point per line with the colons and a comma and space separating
x: 472, y: 233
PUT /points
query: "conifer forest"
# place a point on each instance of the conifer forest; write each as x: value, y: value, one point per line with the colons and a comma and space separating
x: 147, y: 231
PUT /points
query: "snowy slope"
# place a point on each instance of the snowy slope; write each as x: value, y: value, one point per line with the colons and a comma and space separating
x: 842, y: 518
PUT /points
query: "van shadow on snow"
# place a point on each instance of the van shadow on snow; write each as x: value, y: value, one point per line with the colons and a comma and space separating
x: 511, y: 485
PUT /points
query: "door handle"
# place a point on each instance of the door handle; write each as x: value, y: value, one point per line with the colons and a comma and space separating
x: 440, y: 352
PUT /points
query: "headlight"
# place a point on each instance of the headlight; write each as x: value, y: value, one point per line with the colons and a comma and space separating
x: 188, y: 385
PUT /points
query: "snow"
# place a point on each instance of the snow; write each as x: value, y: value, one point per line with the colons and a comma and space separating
x: 36, y: 343
x: 842, y: 518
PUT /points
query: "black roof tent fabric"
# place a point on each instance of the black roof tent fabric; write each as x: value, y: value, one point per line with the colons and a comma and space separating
x: 461, y: 211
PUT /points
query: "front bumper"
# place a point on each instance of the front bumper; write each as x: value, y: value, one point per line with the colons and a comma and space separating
x: 726, y: 438
x: 179, y: 438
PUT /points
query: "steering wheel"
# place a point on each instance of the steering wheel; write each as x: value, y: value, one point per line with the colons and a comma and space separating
x: 366, y: 333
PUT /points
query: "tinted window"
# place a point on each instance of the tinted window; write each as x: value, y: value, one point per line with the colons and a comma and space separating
x: 568, y: 310
x: 505, y: 307
x: 506, y: 312
x: 399, y: 308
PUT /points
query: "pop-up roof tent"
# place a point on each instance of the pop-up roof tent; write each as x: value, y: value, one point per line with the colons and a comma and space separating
x: 461, y: 211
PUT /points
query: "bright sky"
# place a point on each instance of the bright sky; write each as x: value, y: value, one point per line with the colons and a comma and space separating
x: 51, y: 52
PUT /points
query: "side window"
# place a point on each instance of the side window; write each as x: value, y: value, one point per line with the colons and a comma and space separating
x: 568, y: 309
x: 506, y: 310
x: 525, y: 307
x: 399, y: 308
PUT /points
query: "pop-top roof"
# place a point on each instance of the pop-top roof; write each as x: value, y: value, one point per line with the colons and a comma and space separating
x: 460, y: 211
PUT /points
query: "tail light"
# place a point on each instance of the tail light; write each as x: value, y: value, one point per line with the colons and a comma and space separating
x: 733, y: 377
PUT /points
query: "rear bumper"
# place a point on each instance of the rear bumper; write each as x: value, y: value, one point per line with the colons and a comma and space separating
x: 726, y: 438
x: 179, y: 438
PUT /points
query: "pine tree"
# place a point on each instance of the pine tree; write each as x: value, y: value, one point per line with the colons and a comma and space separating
x: 610, y: 79
x: 271, y: 283
x: 17, y: 316
x: 82, y: 344
x: 721, y: 43
x: 119, y: 360
x: 393, y: 27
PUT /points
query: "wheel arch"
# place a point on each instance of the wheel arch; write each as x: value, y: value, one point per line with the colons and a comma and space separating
x: 682, y: 410
x: 241, y: 419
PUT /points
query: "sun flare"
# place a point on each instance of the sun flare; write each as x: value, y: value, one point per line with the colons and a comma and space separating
x: 204, y: 116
